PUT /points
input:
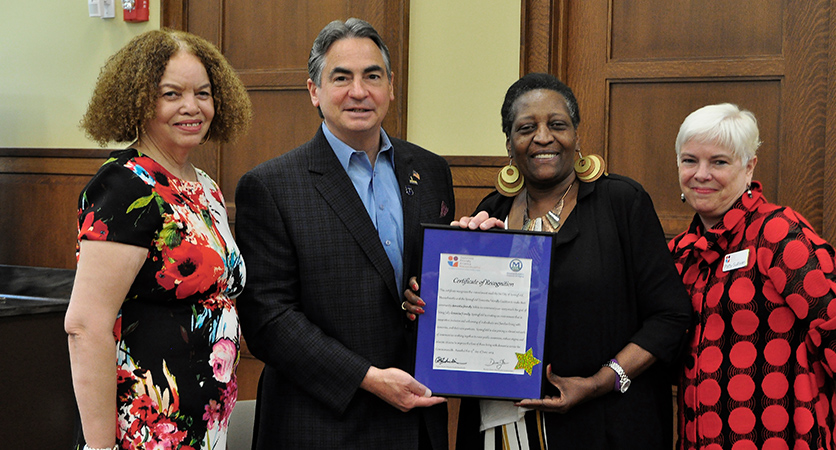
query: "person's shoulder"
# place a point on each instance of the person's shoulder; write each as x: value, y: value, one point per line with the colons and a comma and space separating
x: 621, y: 193
x: 121, y: 178
x: 494, y: 202
x: 675, y: 240
x: 621, y: 183
x: 777, y: 225
x: 123, y: 166
x: 122, y: 156
x: 619, y: 186
x: 119, y: 160
x: 786, y: 214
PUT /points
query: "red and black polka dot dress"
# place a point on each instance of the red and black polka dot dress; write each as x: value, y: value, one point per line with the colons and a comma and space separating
x: 759, y: 373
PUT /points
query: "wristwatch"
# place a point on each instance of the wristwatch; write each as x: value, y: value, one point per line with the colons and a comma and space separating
x: 622, y: 381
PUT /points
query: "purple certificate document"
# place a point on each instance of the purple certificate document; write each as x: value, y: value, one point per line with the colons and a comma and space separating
x: 483, y: 330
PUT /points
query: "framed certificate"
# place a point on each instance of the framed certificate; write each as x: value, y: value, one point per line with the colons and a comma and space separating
x: 483, y: 330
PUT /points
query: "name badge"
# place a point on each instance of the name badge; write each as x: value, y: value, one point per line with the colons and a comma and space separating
x: 736, y: 260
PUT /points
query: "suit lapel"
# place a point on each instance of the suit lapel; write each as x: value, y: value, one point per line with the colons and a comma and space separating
x: 409, y: 181
x: 336, y: 188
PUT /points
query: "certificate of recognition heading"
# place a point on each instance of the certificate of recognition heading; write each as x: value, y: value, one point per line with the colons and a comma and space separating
x: 483, y: 328
x: 482, y: 313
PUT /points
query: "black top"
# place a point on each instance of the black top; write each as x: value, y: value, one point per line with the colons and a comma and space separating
x: 613, y: 282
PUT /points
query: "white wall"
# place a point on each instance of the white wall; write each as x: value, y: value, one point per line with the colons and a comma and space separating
x: 463, y: 55
x: 50, y: 55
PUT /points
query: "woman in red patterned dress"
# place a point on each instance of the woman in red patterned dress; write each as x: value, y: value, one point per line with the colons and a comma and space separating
x: 759, y: 374
x: 154, y: 337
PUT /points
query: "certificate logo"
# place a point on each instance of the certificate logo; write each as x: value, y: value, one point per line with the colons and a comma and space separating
x: 453, y: 261
x: 516, y: 265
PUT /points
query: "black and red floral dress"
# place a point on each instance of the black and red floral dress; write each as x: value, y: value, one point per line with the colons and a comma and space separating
x: 759, y: 374
x: 178, y: 335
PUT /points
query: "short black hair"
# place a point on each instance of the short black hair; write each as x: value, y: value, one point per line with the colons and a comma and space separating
x: 532, y: 82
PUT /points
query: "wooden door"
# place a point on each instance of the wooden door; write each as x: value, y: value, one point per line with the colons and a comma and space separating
x: 639, y: 68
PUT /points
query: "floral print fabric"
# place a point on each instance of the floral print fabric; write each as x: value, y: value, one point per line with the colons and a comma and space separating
x: 178, y: 335
x: 762, y: 355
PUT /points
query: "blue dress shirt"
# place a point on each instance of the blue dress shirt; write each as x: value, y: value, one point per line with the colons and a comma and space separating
x: 378, y: 189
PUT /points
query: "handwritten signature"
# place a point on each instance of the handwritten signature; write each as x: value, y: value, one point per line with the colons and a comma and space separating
x: 441, y: 360
x: 496, y: 364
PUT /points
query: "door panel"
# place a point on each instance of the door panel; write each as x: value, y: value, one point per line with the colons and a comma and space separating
x: 677, y: 29
x: 286, y: 119
x: 638, y: 68
x: 258, y: 37
x: 642, y: 145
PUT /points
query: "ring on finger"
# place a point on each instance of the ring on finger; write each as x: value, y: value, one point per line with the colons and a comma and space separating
x: 403, y: 305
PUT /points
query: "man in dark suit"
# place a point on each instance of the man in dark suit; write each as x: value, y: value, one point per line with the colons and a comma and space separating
x: 329, y: 232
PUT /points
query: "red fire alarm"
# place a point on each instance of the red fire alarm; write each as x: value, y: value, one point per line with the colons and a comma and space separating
x: 135, y: 10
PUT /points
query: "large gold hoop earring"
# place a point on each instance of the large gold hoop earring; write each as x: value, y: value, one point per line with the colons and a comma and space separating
x: 589, y: 168
x: 509, y: 181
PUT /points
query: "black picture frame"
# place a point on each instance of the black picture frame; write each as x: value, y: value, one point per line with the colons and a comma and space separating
x: 464, y: 282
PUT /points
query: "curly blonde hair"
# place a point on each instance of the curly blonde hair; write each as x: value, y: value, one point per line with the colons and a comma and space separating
x: 125, y: 96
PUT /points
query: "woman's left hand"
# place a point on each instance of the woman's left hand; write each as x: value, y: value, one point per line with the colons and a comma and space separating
x: 413, y: 305
x: 573, y: 391
x: 576, y: 390
x: 480, y: 221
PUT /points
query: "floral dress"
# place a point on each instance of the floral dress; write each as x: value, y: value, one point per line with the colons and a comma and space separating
x: 177, y: 332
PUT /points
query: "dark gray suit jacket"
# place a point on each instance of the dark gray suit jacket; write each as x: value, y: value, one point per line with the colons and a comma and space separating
x: 321, y: 303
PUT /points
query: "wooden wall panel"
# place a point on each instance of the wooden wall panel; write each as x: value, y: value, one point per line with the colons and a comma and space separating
x: 772, y: 57
x: 829, y: 188
x: 286, y: 120
x: 473, y: 179
x: 39, y: 191
x: 805, y: 96
x: 43, y: 232
x: 204, y: 18
x: 676, y: 29
x: 283, y: 33
x: 641, y: 138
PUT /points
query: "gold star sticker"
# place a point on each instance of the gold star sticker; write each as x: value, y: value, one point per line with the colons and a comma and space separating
x: 526, y: 361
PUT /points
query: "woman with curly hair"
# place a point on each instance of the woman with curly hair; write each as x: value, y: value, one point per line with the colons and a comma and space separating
x: 157, y: 265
